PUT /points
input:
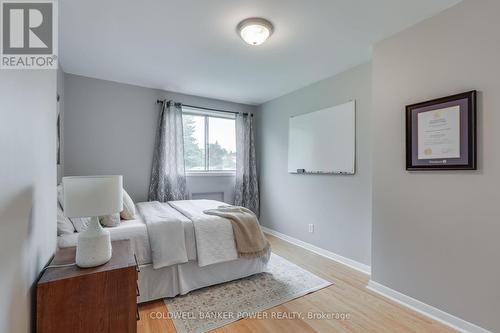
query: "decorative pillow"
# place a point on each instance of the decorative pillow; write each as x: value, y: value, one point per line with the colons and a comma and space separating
x: 128, y: 212
x: 80, y: 223
x: 112, y: 220
x: 64, y: 225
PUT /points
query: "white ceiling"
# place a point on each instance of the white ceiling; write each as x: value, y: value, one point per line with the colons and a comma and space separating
x: 191, y: 46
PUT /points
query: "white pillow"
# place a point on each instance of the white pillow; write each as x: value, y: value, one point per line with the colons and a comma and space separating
x: 80, y: 223
x: 112, y: 220
x: 64, y: 225
x: 128, y: 212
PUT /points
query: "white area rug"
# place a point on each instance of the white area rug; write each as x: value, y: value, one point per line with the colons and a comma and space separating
x: 212, y: 307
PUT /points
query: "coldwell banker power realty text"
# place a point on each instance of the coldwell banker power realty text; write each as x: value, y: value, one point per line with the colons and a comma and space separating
x: 29, y: 39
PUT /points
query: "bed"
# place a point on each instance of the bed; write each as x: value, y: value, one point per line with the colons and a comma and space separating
x: 180, y: 278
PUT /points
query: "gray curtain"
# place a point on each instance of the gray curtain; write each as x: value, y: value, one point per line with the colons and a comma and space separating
x: 247, y: 186
x: 168, y: 176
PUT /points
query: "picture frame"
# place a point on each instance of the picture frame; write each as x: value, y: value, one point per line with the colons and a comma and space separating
x: 441, y: 133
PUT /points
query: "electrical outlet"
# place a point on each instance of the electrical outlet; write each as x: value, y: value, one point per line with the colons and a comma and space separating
x: 311, y: 228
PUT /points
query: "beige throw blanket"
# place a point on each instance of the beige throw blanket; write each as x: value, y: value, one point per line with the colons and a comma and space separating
x: 249, y: 238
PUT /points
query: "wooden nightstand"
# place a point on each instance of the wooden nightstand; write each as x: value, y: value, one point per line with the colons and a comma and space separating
x: 98, y: 299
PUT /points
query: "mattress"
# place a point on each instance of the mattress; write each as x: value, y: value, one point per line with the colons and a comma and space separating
x: 137, y: 232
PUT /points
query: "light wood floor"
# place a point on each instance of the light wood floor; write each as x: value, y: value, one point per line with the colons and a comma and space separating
x: 368, y: 311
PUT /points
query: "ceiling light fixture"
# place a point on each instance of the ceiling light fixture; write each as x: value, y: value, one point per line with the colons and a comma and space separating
x: 255, y: 30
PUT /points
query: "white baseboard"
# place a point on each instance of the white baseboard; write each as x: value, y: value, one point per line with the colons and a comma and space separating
x: 322, y: 252
x: 425, y: 309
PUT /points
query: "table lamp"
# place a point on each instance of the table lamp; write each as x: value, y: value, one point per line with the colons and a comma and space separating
x: 92, y: 196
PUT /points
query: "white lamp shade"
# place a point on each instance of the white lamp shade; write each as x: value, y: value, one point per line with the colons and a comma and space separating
x: 92, y: 195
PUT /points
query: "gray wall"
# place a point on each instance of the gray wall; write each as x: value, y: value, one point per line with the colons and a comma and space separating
x: 339, y: 206
x: 435, y: 234
x: 27, y: 189
x: 110, y: 128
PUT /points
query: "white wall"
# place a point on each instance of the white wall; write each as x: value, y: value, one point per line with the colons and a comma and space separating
x: 110, y: 128
x: 338, y: 205
x: 435, y: 234
x: 27, y: 189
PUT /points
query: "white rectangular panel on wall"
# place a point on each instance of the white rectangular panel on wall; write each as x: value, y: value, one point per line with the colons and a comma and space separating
x: 323, y: 141
x: 219, y: 196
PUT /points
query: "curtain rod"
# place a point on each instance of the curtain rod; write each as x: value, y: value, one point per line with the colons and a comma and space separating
x: 159, y: 101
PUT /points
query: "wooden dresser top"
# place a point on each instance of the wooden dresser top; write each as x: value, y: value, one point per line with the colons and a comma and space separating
x: 122, y: 257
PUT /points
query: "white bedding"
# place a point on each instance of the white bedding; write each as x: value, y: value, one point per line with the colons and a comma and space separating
x: 166, y: 233
x: 137, y: 232
x: 214, y: 235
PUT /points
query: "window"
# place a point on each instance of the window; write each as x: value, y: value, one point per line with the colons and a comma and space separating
x: 209, y: 141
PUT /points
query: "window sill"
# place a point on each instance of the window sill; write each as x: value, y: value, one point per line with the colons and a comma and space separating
x: 211, y: 174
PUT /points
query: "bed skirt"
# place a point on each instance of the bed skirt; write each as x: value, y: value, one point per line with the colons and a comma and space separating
x: 180, y: 279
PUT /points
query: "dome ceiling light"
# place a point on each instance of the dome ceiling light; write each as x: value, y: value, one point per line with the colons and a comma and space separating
x: 255, y: 30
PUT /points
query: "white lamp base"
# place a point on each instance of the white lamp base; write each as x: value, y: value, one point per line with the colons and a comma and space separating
x: 94, y: 245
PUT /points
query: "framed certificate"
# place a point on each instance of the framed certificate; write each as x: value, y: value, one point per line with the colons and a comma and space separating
x: 441, y: 134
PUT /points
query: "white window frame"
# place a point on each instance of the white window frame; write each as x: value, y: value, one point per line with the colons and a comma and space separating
x: 191, y: 111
